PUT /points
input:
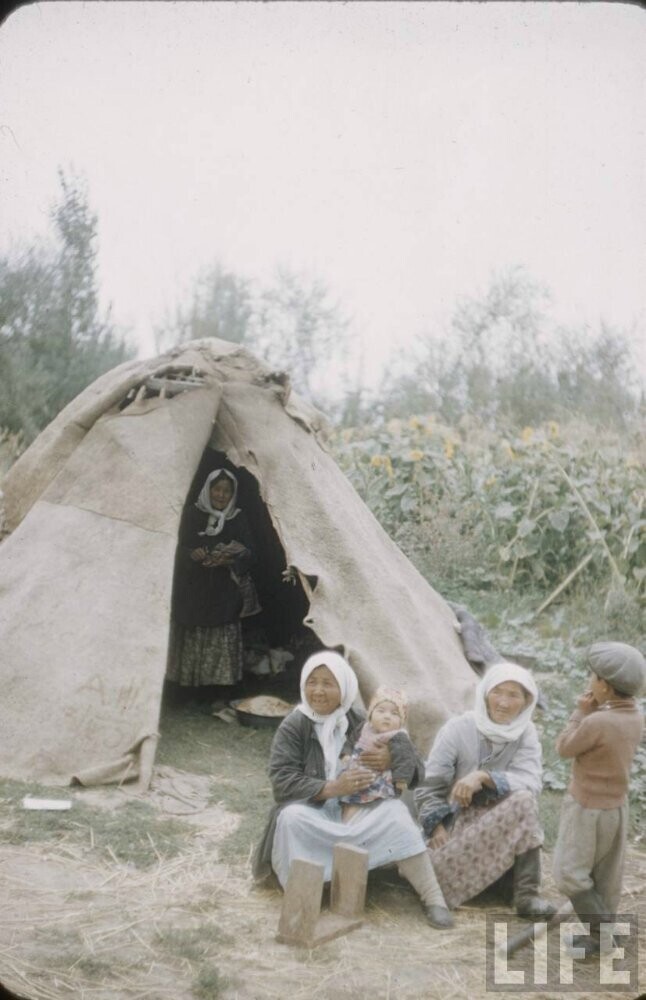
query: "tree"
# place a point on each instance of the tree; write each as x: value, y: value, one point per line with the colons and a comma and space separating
x: 290, y: 323
x: 489, y: 349
x: 222, y: 306
x: 505, y: 362
x: 26, y: 289
x: 53, y: 339
x: 596, y: 377
x: 299, y: 329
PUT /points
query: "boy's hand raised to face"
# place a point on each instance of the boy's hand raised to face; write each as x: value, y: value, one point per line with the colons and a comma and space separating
x: 587, y: 703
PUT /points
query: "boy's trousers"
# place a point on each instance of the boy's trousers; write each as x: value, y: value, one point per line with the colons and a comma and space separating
x: 590, y: 850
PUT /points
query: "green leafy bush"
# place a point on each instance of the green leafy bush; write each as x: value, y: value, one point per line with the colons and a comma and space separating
x: 536, y: 510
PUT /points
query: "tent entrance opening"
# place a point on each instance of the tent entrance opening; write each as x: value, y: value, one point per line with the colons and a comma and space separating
x: 275, y: 642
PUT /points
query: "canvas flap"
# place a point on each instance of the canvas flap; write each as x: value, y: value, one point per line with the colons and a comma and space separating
x: 86, y: 587
x: 137, y: 467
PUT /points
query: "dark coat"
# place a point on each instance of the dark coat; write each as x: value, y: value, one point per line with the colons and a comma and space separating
x: 208, y: 596
x: 297, y: 770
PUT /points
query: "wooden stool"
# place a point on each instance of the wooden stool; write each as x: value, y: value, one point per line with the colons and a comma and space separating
x: 301, y: 921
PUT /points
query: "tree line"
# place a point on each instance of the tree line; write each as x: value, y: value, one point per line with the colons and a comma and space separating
x: 502, y: 360
x: 54, y: 338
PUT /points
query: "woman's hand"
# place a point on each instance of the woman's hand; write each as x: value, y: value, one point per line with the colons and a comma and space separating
x: 377, y: 759
x: 198, y: 555
x: 218, y: 559
x: 464, y: 789
x: 353, y: 780
x: 438, y: 838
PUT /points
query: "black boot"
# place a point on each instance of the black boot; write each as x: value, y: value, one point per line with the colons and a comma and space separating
x: 527, y: 883
x: 591, y: 909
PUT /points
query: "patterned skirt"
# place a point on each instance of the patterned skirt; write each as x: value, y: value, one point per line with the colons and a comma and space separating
x: 483, y: 844
x: 199, y: 657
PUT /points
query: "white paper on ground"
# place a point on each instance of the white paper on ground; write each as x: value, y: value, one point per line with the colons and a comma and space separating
x: 29, y: 803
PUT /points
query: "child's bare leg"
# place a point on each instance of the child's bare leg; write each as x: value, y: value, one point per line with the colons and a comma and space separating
x: 348, y: 810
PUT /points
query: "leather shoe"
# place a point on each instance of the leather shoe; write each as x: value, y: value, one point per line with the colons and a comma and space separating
x: 439, y: 917
x: 535, y: 908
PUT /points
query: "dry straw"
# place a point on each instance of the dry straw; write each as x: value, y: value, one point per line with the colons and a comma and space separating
x: 154, y: 932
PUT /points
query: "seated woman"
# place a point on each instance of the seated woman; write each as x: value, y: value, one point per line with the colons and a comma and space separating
x: 304, y: 768
x: 478, y: 803
x: 211, y: 585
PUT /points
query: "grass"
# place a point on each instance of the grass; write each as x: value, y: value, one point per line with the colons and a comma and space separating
x: 64, y: 944
x: 135, y: 834
x: 192, y: 943
x: 549, y: 811
x: 68, y: 954
x: 209, y: 983
x: 95, y: 968
x: 236, y: 760
x: 198, y: 946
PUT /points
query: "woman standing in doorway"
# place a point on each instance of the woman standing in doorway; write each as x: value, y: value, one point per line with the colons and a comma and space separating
x: 211, y: 574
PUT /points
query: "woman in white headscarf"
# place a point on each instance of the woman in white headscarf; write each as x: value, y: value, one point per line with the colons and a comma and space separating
x: 307, y: 778
x: 213, y: 556
x: 478, y: 803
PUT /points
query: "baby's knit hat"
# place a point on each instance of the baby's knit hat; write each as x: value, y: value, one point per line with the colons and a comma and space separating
x: 621, y: 665
x: 398, y: 698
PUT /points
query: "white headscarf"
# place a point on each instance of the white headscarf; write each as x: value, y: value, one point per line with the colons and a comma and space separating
x: 330, y: 729
x: 217, y: 518
x: 498, y: 673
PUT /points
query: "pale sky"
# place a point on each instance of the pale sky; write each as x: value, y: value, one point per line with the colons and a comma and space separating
x: 401, y: 152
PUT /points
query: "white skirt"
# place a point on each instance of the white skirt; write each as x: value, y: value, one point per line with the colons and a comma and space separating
x: 385, y: 829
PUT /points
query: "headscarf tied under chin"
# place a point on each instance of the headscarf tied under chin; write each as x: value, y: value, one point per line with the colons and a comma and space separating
x: 330, y: 729
x: 498, y: 732
x: 217, y: 518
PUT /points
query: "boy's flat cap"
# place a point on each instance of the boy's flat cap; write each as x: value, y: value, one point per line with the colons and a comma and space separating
x: 621, y: 665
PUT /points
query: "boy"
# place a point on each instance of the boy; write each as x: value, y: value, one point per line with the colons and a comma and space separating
x: 601, y: 737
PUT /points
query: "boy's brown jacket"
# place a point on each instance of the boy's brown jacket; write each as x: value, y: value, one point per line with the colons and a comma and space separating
x: 602, y: 745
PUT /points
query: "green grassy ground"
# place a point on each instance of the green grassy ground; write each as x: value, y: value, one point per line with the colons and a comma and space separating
x: 136, y: 834
x: 236, y: 760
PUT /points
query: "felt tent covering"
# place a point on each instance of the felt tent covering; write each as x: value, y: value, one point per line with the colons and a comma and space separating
x: 93, y: 509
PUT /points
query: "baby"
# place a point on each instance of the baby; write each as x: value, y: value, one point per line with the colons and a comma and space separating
x: 386, y: 720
